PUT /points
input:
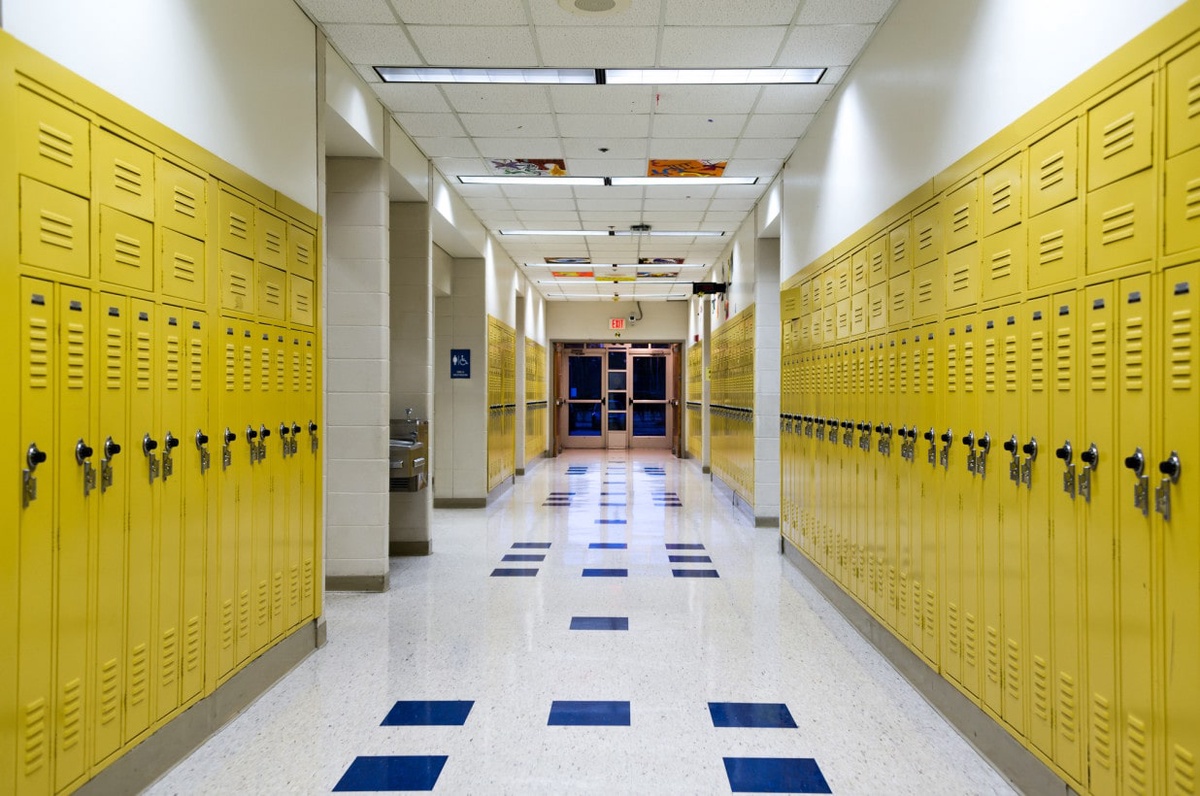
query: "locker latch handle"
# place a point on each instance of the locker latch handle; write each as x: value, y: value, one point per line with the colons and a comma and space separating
x: 931, y: 437
x: 111, y: 449
x: 985, y: 447
x: 1090, y: 458
x: 202, y: 446
x: 284, y: 430
x: 170, y: 443
x: 263, y: 434
x: 1014, y: 467
x: 1141, y: 489
x: 864, y: 440
x: 33, y: 457
x: 83, y: 455
x: 252, y: 435
x: 226, y: 454
x: 848, y: 433
x: 905, y: 452
x: 149, y: 446
x: 1030, y: 449
x: 1067, y: 454
x: 947, y: 441
x: 885, y: 439
x: 969, y: 442
x: 1170, y: 468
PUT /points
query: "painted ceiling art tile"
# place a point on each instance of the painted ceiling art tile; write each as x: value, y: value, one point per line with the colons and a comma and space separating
x: 616, y: 278
x: 660, y: 261
x: 686, y: 168
x: 657, y: 274
x: 528, y: 167
x: 568, y: 260
x: 572, y: 274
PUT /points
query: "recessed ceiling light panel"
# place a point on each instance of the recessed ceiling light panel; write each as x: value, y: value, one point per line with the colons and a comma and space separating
x: 427, y: 74
x: 772, y: 76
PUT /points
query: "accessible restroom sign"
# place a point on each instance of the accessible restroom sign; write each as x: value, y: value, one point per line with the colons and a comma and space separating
x: 460, y: 363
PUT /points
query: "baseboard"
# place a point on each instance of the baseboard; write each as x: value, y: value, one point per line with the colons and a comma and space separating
x: 725, y: 490
x: 500, y: 491
x: 410, y: 548
x: 460, y: 503
x: 520, y: 471
x: 706, y: 470
x: 365, y: 583
x: 1014, y: 762
x: 766, y: 522
x: 138, y: 768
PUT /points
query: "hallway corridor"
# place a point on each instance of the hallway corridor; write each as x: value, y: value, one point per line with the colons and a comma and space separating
x: 729, y: 657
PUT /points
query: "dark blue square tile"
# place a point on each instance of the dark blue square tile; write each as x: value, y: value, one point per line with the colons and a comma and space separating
x: 685, y: 547
x: 685, y: 559
x: 427, y: 713
x: 612, y: 494
x: 531, y: 546
x: 751, y: 714
x: 561, y: 494
x: 621, y: 505
x: 775, y: 775
x: 599, y: 623
x: 589, y: 714
x: 610, y: 522
x: 695, y: 573
x: 530, y: 557
x: 506, y: 572
x: 410, y: 772
x: 608, y: 546
x: 606, y: 573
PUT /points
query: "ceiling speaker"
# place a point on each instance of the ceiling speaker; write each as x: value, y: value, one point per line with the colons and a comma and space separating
x: 594, y: 8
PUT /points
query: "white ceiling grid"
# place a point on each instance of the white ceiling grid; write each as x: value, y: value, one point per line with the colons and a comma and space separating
x: 604, y: 130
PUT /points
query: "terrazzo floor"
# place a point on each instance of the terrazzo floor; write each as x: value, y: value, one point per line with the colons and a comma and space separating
x: 609, y: 626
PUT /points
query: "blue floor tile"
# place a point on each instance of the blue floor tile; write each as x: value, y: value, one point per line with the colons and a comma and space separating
x: 504, y: 572
x: 561, y: 494
x: 685, y: 547
x: 427, y: 713
x: 751, y: 714
x: 612, y: 494
x: 610, y: 522
x: 775, y: 775
x: 606, y: 573
x: 589, y: 714
x: 695, y: 573
x: 409, y: 772
x: 529, y: 557
x: 685, y: 559
x: 621, y: 505
x: 599, y: 623
x: 531, y: 545
x: 608, y: 546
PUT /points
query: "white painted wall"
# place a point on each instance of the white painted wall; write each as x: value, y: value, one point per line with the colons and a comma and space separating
x: 938, y: 79
x: 569, y: 321
x: 238, y: 78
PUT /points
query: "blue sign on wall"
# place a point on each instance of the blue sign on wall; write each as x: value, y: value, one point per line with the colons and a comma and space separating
x: 460, y: 363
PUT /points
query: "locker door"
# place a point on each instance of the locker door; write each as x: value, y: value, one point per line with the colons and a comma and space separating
x: 229, y: 444
x: 294, y: 412
x: 193, y: 465
x: 275, y: 412
x: 856, y: 489
x: 1064, y: 445
x: 1099, y: 486
x: 947, y: 482
x: 968, y: 435
x: 38, y: 461
x: 261, y: 522
x: 1179, y: 452
x: 903, y: 421
x: 888, y: 492
x: 1037, y: 455
x: 310, y: 464
x: 865, y: 478
x: 75, y: 450
x: 931, y: 410
x: 112, y: 456
x: 1140, y: 751
x: 143, y: 510
x: 1013, y: 539
x: 170, y: 373
x: 246, y: 500
x: 994, y: 495
x: 922, y: 420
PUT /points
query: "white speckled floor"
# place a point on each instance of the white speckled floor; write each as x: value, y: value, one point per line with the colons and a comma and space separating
x: 448, y: 630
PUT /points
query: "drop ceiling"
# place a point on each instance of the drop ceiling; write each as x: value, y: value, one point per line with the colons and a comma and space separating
x: 608, y: 131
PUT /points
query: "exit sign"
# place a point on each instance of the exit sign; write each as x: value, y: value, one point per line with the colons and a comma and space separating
x: 616, y: 324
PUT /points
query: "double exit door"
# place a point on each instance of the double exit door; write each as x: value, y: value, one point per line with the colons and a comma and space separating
x: 617, y: 397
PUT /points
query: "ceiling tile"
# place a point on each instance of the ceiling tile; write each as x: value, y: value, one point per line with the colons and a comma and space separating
x: 425, y: 125
x: 411, y: 98
x: 724, y: 217
x: 494, y: 46
x: 546, y: 216
x: 770, y: 148
x: 497, y: 99
x: 620, y: 219
x: 827, y: 12
x: 824, y: 45
x: 602, y: 167
x: 597, y: 125
x: 493, y: 219
x: 519, y: 147
x: 617, y: 147
x: 665, y: 147
x: 459, y: 12
x: 591, y: 206
x: 372, y: 44
x: 597, y: 47
x: 771, y: 125
x: 746, y: 167
x: 443, y: 147
x: 671, y: 219
x: 716, y: 126
x: 471, y: 191
x: 527, y: 204
x: 723, y: 12
x: 453, y: 166
x: 485, y: 203
x: 793, y: 99
x: 705, y: 100
x: 740, y: 191
x: 349, y: 10
x: 732, y: 205
x: 562, y: 193
x: 680, y: 190
x: 727, y: 47
x: 602, y: 99
x: 640, y: 13
x: 676, y: 204
x: 500, y: 125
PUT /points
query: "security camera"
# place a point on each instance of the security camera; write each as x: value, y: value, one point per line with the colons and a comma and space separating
x: 632, y: 317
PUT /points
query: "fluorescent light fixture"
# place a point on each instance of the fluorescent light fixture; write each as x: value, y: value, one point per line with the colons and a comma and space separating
x: 429, y: 74
x: 488, y: 179
x: 711, y: 77
x: 618, y: 233
x: 679, y: 182
x: 671, y: 233
x: 562, y: 232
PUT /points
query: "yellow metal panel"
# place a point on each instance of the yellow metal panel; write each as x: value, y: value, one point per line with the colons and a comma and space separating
x: 301, y: 300
x: 842, y: 279
x: 946, y: 481
x: 900, y: 258
x: 228, y: 438
x: 1182, y: 203
x: 927, y: 235
x: 170, y: 373
x: 907, y: 474
x: 39, y: 382
x: 237, y: 282
x: 967, y: 434
x: 281, y: 477
x: 53, y: 144
x: 122, y: 174
x: 1120, y: 223
x: 1014, y: 541
x: 249, y: 606
x: 929, y: 285
x: 182, y: 266
x: 992, y: 476
x: 960, y: 216
x: 272, y: 247
x: 271, y: 291
x: 859, y: 309
x: 829, y: 287
x: 1121, y: 134
x: 182, y: 200
x: 54, y: 229
x: 1183, y: 102
x: 236, y: 224
x: 877, y: 307
x: 877, y: 261
x: 842, y: 330
x: 1004, y: 269
x: 291, y: 415
x: 930, y: 500
x: 126, y: 250
x: 261, y: 514
x: 1180, y: 447
x: 859, y: 274
x: 899, y: 299
x: 1003, y: 192
x: 1054, y: 169
x: 302, y: 253
x: 193, y: 467
x: 1055, y: 245
x: 963, y: 281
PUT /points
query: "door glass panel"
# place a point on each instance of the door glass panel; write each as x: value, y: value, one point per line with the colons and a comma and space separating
x: 616, y: 379
x: 585, y: 378
x: 616, y: 360
x: 649, y: 420
x: 616, y: 421
x: 616, y: 402
x: 583, y: 420
x: 650, y: 379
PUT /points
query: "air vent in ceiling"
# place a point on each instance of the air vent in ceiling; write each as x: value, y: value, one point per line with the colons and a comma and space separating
x: 594, y: 8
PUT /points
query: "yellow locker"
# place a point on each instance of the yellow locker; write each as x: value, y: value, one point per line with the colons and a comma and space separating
x: 229, y: 428
x: 962, y: 277
x: 927, y: 234
x: 947, y: 482
x: 302, y: 253
x: 829, y: 316
x: 877, y: 261
x: 967, y: 438
x: 54, y: 229
x: 294, y: 412
x: 1100, y: 483
x: 182, y: 200
x: 1177, y: 503
x: 53, y: 144
x: 169, y: 536
x: 877, y: 307
x: 899, y: 299
x: 1182, y: 203
x: 1120, y: 223
x: 1004, y: 262
x: 301, y: 300
x: 888, y: 492
x: 1054, y: 169
x: 960, y: 216
x: 235, y: 224
x: 829, y: 287
x: 1141, y: 749
x: 1003, y: 192
x: 843, y: 318
x: 928, y: 291
x: 1055, y: 245
x: 261, y: 521
x: 250, y: 609
x: 274, y: 411
x: 1014, y: 551
x: 994, y: 496
x: 1183, y: 102
x: 922, y: 417
x: 271, y: 290
x: 931, y: 498
x: 310, y: 583
x: 899, y: 250
x: 113, y: 457
x: 859, y: 319
x: 144, y: 475
x: 906, y: 473
x: 182, y: 266
x: 842, y: 279
x: 122, y: 175
x: 193, y: 463
x: 271, y: 245
x: 1070, y: 698
x: 74, y: 522
x: 860, y: 276
x: 126, y: 250
x: 41, y: 457
x: 1121, y: 134
x: 237, y: 283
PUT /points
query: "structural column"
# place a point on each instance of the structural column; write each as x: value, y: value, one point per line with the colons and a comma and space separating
x: 767, y: 383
